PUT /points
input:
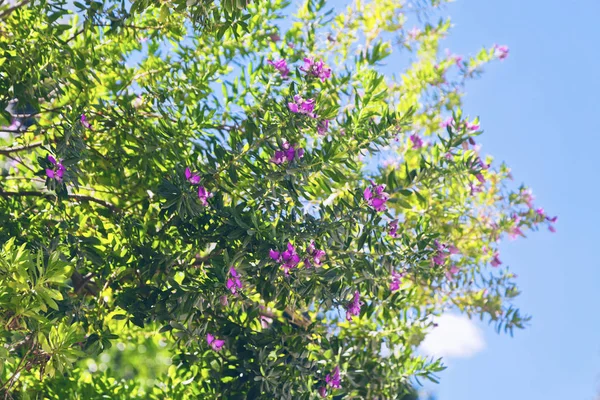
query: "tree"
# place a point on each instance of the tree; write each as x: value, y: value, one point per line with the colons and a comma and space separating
x: 196, y: 206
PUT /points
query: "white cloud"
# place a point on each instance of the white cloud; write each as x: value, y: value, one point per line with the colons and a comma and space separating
x: 456, y: 336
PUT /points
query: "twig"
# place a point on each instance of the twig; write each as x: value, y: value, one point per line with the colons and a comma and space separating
x: 79, y: 197
x: 9, y: 11
x: 15, y: 149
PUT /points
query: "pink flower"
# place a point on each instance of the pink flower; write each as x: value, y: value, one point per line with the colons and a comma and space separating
x: 393, y: 228
x: 447, y: 122
x: 215, y: 344
x: 281, y: 66
x: 288, y: 153
x: 85, y: 122
x: 57, y: 171
x: 551, y: 227
x: 376, y: 197
x: 472, y: 126
x: 323, y: 391
x: 191, y: 177
x: 515, y: 229
x: 414, y: 32
x: 315, y: 254
x: 301, y: 106
x: 288, y: 258
x: 333, y: 380
x: 316, y: 68
x: 396, y: 281
x: 496, y: 260
x: 233, y: 283
x: 265, y: 322
x: 353, y: 307
x: 475, y: 188
x: 204, y: 195
x: 322, y: 127
x: 417, y: 142
x: 501, y: 51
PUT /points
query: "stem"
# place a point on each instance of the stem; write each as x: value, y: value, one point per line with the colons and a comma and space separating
x: 15, y: 149
x: 10, y: 10
x: 78, y: 197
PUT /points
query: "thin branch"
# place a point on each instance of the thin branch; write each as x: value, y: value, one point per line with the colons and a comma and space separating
x: 78, y: 197
x: 10, y: 10
x: 15, y: 149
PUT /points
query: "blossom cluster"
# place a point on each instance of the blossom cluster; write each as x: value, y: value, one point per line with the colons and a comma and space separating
x: 290, y: 258
x: 376, y: 197
x: 203, y: 193
x: 57, y: 171
x: 287, y: 153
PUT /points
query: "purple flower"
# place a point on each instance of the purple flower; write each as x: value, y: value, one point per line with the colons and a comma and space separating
x: 480, y: 178
x: 322, y: 127
x: 551, y: 227
x: 289, y: 153
x: 496, y: 259
x: 376, y: 197
x: 323, y: 391
x: 204, y: 195
x: 414, y: 32
x: 57, y: 171
x: 274, y: 255
x: 396, y: 281
x: 192, y: 178
x: 353, y: 307
x: 316, y: 68
x: 453, y: 249
x: 454, y: 269
x: 315, y: 253
x: 515, y: 231
x: 215, y: 344
x: 86, y: 124
x: 440, y: 256
x: 234, y: 284
x: 501, y: 51
x: 472, y: 127
x: 278, y: 158
x: 301, y: 106
x: 393, y: 228
x: 475, y: 188
x: 528, y: 197
x: 447, y: 122
x: 288, y: 258
x: 333, y: 380
x: 281, y: 66
x: 540, y: 211
x: 417, y: 142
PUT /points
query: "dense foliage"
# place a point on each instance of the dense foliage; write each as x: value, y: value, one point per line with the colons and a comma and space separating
x: 219, y: 200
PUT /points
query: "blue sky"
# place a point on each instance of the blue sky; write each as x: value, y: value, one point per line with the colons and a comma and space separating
x: 537, y: 109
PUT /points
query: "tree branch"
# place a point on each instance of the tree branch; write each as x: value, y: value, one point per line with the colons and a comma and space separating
x: 77, y: 197
x: 16, y: 149
x: 10, y: 10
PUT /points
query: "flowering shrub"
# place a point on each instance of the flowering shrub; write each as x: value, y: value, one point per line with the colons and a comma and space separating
x: 253, y: 203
